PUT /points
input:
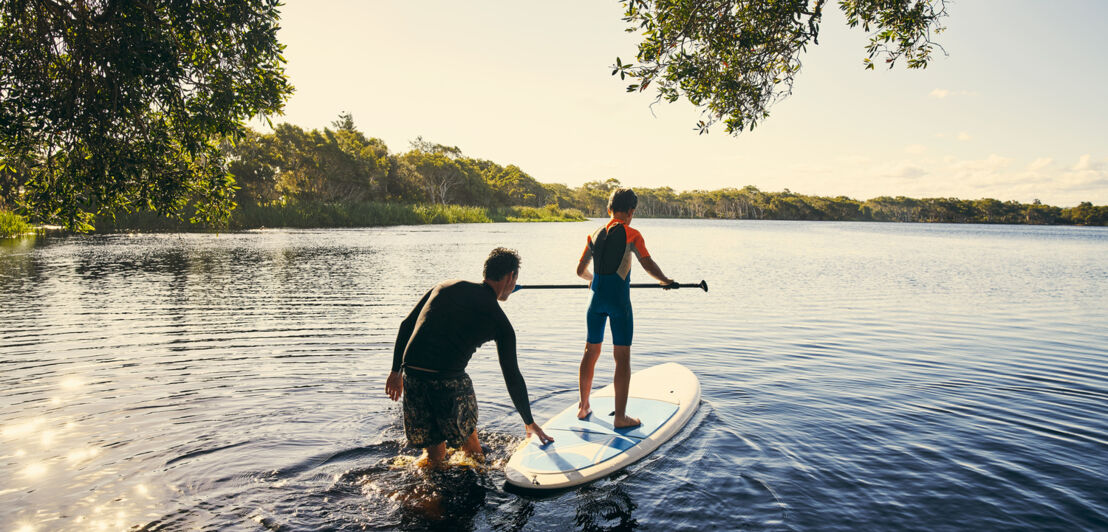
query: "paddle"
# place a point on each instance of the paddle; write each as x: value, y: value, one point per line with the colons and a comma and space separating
x: 703, y: 285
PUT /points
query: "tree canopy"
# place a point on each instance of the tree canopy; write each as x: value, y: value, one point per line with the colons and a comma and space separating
x: 122, y: 106
x: 342, y: 165
x: 735, y: 58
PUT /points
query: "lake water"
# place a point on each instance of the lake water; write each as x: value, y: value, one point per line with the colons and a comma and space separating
x: 854, y: 376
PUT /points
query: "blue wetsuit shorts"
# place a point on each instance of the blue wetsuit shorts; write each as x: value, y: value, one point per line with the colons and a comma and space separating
x: 611, y: 301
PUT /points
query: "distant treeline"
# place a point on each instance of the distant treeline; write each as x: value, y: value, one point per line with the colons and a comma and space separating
x: 342, y: 165
x: 750, y: 203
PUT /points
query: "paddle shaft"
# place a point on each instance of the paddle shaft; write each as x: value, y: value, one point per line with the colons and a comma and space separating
x: 703, y: 285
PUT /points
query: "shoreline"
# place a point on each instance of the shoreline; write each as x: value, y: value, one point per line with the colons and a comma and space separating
x: 48, y: 230
x: 339, y: 216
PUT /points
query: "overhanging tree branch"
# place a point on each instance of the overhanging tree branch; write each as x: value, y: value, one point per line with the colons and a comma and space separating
x: 735, y: 58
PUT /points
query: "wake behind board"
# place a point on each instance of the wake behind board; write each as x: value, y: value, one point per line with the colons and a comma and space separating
x: 663, y: 397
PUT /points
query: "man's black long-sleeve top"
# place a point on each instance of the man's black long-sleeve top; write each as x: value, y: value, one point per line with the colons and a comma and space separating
x: 447, y: 326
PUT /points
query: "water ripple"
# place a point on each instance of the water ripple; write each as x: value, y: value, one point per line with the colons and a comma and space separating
x: 854, y: 376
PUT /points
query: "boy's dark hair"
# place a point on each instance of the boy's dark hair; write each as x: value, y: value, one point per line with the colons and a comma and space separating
x: 501, y: 262
x: 622, y: 200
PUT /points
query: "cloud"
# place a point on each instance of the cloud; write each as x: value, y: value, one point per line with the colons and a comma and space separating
x: 1087, y: 174
x: 904, y: 170
x: 943, y: 93
x: 1039, y: 164
x: 854, y: 160
x: 915, y: 148
x: 988, y: 170
x: 997, y: 177
x: 909, y: 171
x: 1018, y: 178
x: 1083, y: 163
x: 961, y: 135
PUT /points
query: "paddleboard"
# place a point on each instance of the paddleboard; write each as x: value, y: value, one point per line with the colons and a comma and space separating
x: 663, y: 397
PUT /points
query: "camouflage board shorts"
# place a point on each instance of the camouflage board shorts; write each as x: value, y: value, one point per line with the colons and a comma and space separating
x: 438, y: 409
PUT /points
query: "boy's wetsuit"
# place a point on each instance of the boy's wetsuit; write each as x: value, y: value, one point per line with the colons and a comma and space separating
x: 447, y: 326
x: 610, y: 249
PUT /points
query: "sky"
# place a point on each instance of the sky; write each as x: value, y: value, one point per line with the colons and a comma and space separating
x: 1016, y: 110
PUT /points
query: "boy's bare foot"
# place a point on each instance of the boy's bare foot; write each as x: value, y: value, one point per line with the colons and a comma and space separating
x: 584, y: 412
x: 626, y: 422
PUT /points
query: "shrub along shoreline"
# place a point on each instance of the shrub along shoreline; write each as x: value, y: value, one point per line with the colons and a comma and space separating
x: 302, y: 215
x: 12, y: 225
x: 312, y: 215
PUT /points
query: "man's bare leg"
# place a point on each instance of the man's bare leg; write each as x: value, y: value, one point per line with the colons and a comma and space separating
x: 436, y: 455
x: 472, y: 447
x: 622, y: 384
x: 584, y: 378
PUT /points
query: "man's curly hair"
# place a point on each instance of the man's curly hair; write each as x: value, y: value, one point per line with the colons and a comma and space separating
x: 501, y: 262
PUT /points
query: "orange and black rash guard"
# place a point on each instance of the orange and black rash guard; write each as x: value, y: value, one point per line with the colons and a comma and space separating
x: 447, y: 326
x: 611, y: 248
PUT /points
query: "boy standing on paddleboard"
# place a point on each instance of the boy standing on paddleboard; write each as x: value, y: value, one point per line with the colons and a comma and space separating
x: 609, y: 249
x: 434, y: 346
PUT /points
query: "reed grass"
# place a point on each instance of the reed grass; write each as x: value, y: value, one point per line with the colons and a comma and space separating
x: 315, y: 215
x: 12, y: 225
x: 304, y: 215
x: 549, y: 213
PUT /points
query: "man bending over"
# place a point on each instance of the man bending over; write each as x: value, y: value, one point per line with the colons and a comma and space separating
x: 433, y: 347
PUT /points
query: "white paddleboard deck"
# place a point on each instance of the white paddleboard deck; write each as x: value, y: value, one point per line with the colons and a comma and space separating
x: 663, y: 397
